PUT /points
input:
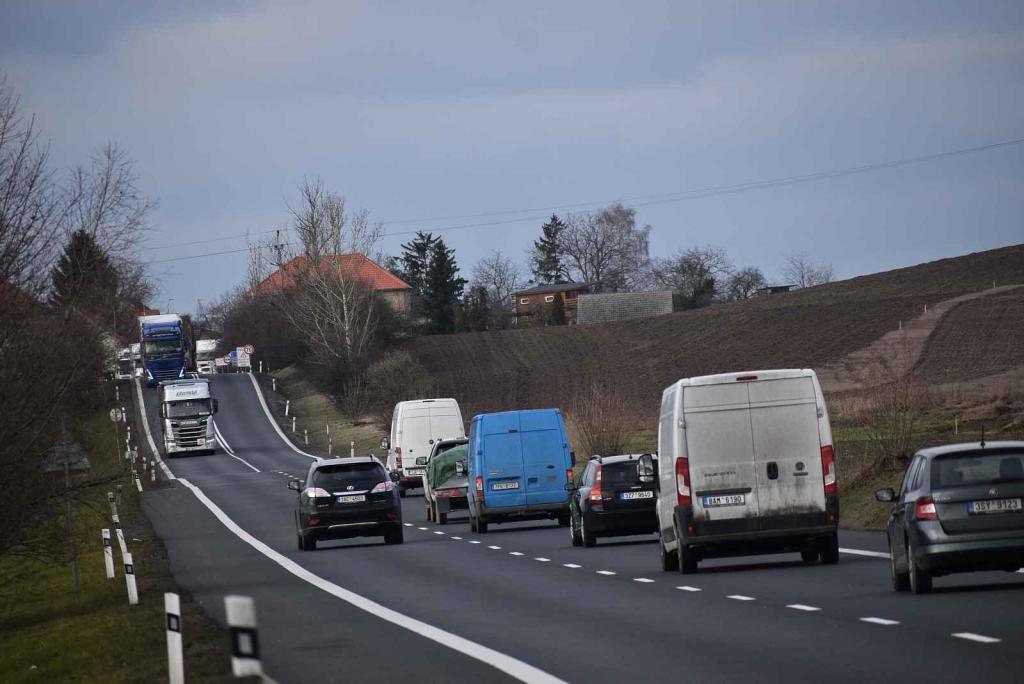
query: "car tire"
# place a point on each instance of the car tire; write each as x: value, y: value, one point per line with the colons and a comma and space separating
x: 442, y: 518
x: 669, y: 559
x: 809, y: 555
x: 589, y: 540
x: 392, y: 537
x: 481, y: 526
x: 563, y: 520
x: 686, y: 558
x: 307, y: 542
x: 920, y: 580
x: 472, y: 523
x: 900, y: 580
x: 574, y: 533
x: 828, y: 549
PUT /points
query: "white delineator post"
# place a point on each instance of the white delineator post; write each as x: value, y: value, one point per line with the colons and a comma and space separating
x: 352, y: 449
x: 175, y: 658
x: 305, y: 435
x: 287, y: 406
x: 293, y: 423
x: 273, y: 384
x: 245, y: 645
x: 120, y: 534
x: 261, y: 367
x: 129, y: 578
x: 108, y: 554
x: 152, y: 471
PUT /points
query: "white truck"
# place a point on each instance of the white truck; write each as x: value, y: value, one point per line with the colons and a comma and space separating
x: 136, y: 348
x: 125, y: 364
x: 186, y: 416
x: 206, y: 353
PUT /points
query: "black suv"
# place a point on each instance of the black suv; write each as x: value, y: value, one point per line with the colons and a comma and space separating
x: 608, y: 500
x: 347, y: 497
x: 959, y: 510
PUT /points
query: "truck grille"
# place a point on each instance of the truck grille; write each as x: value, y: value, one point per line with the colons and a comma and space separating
x: 189, y: 432
x: 162, y: 374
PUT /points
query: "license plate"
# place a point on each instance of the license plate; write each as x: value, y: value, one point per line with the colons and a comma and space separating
x: 415, y: 471
x: 627, y: 496
x: 505, y: 485
x: 994, y: 506
x: 352, y: 498
x: 724, y: 500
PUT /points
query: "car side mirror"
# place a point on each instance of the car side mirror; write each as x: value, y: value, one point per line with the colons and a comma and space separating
x: 295, y: 484
x: 645, y: 469
x: 887, y: 495
x: 395, y: 476
x: 216, y: 406
x: 460, y: 468
x: 385, y: 443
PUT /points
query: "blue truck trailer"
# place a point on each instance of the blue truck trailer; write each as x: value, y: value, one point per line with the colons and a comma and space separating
x: 166, y: 348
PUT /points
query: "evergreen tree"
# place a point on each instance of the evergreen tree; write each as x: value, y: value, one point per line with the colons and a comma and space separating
x: 548, y: 266
x: 443, y: 288
x: 84, y: 278
x: 554, y: 313
x: 415, y: 261
x: 476, y: 309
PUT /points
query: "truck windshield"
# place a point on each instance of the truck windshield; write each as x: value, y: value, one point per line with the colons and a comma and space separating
x: 188, y: 408
x: 205, y: 356
x: 162, y: 348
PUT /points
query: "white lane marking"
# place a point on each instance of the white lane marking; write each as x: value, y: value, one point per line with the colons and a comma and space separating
x: 515, y: 553
x: 408, y: 524
x: 543, y: 560
x: 605, y: 572
x: 740, y: 597
x: 149, y: 436
x: 273, y: 423
x: 806, y: 609
x: 457, y: 538
x: 571, y: 565
x: 880, y: 621
x: 436, y: 532
x: 230, y: 451
x: 422, y: 528
x: 513, y: 667
x: 473, y: 541
x: 688, y: 588
x: 862, y: 552
x: 643, y: 580
x: 496, y: 548
x: 979, y: 638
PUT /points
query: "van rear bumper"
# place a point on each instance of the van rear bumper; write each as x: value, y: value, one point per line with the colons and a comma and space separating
x: 534, y: 512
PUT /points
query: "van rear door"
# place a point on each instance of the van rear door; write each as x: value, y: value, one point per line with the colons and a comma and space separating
x: 502, y: 463
x: 544, y: 457
x: 720, y: 448
x: 415, y: 439
x: 787, y: 452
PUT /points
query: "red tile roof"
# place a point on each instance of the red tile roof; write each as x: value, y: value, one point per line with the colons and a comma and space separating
x: 356, y: 266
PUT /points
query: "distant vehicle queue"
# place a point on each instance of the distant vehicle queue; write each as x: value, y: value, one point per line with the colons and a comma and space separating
x: 745, y: 465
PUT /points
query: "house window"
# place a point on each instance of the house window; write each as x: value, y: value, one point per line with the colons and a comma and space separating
x: 524, y: 300
x: 549, y: 298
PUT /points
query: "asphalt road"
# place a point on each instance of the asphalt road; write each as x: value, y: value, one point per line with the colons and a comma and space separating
x: 606, y: 614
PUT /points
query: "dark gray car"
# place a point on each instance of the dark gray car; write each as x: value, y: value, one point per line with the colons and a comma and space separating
x: 958, y: 510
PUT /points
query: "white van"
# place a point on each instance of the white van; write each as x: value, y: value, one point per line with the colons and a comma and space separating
x: 746, y: 466
x: 415, y: 426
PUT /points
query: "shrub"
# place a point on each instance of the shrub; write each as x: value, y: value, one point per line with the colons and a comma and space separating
x: 599, y: 422
x: 395, y: 377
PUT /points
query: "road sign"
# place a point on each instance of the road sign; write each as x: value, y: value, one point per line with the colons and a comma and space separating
x: 115, y: 415
x: 242, y: 358
x: 249, y: 349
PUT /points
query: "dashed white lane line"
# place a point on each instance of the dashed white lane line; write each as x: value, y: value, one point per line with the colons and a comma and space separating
x: 437, y: 532
x: 740, y: 597
x: 515, y: 553
x: 571, y: 565
x: 456, y: 538
x: 542, y: 560
x: 688, y: 588
x: 408, y: 524
x: 496, y: 548
x: 862, y: 552
x: 605, y: 572
x: 978, y: 638
x: 805, y: 608
x: 643, y: 580
x: 422, y: 528
x: 473, y: 541
x: 885, y: 622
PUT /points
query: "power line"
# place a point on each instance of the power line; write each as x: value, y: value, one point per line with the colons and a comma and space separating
x: 646, y: 200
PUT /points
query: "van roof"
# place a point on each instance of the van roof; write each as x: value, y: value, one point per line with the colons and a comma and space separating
x: 724, y: 378
x: 424, y: 401
x: 511, y: 413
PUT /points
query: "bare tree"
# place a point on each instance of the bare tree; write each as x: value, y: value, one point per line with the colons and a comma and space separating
x: 698, y: 274
x: 501, y: 277
x: 744, y: 283
x: 801, y: 271
x: 606, y: 249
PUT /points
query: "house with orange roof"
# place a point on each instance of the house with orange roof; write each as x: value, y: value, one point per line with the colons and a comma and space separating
x: 385, y: 284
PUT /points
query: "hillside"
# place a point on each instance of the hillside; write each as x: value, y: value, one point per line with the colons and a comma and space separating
x: 808, y: 328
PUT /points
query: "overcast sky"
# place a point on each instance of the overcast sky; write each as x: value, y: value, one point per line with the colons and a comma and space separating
x: 417, y: 110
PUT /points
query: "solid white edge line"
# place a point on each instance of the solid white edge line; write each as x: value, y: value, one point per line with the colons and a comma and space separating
x: 149, y: 436
x: 270, y: 417
x: 862, y: 552
x: 230, y: 452
x: 513, y: 667
x: 805, y: 608
x: 885, y: 622
x: 978, y: 638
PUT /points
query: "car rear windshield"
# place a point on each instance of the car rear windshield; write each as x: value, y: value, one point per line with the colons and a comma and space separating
x: 956, y: 470
x: 622, y: 473
x: 356, y: 475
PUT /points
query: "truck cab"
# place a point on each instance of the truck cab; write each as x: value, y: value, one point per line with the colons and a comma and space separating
x: 186, y: 416
x: 165, y: 348
x: 206, y: 354
x: 125, y: 365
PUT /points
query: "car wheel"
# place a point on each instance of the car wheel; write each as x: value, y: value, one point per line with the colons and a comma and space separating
x: 574, y: 532
x: 563, y: 520
x: 669, y: 559
x: 920, y: 580
x: 828, y: 548
x: 589, y: 540
x: 394, y: 536
x: 687, y: 559
x: 472, y: 523
x: 900, y: 580
x: 809, y: 555
x: 442, y: 518
x: 481, y: 526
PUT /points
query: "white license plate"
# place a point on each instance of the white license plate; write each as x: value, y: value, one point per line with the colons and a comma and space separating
x: 626, y: 496
x: 416, y: 471
x: 504, y: 485
x: 994, y: 506
x: 724, y: 500
x: 352, y: 498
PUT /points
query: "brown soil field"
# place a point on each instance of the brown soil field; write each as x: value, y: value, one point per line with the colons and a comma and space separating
x: 531, y: 368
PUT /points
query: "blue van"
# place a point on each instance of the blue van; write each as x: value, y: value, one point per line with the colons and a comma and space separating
x: 519, y: 464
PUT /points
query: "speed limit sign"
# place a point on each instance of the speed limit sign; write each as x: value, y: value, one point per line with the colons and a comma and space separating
x: 249, y: 349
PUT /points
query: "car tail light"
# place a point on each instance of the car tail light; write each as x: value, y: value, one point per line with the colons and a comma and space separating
x: 398, y: 458
x: 828, y: 469
x: 314, y: 521
x: 683, y: 497
x: 924, y: 509
x: 381, y: 487
x: 596, y: 495
x: 480, y: 487
x: 391, y: 515
x: 568, y: 475
x: 314, y: 492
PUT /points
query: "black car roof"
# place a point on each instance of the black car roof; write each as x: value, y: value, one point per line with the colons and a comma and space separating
x: 967, y: 447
